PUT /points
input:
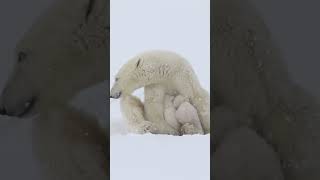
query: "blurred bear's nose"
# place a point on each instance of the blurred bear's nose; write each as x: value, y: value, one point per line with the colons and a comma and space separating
x: 3, y: 111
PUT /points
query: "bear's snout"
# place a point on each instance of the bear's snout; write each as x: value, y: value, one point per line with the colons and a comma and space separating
x: 16, y: 108
x: 115, y: 95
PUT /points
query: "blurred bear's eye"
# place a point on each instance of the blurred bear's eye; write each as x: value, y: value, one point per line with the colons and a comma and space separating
x: 22, y: 56
x: 116, y: 79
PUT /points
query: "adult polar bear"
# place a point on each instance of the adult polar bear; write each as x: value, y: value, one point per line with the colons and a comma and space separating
x: 161, y: 73
x: 65, y: 51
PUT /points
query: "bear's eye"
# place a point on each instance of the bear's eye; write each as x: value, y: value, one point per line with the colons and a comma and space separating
x: 22, y: 56
x: 117, y: 79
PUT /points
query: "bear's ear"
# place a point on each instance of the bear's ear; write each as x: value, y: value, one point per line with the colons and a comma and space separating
x: 90, y: 7
x: 138, y: 63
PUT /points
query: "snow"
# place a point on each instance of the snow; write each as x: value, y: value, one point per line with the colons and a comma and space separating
x: 160, y: 157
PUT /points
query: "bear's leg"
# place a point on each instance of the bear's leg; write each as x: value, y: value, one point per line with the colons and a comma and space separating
x: 243, y: 155
x: 154, y: 109
x: 201, y: 102
x: 133, y: 111
x: 226, y: 121
x: 67, y: 141
x: 189, y: 128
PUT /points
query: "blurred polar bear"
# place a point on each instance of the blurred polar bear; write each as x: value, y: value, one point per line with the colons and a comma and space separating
x: 63, y: 53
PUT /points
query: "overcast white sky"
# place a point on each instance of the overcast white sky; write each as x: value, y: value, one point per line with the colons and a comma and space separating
x: 182, y: 26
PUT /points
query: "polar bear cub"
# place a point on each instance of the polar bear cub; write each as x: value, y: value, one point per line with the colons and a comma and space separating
x: 181, y: 115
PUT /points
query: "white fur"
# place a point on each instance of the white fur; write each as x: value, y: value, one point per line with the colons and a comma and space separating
x: 162, y: 73
x: 181, y: 115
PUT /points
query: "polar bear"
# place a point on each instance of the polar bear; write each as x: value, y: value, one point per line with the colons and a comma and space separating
x: 160, y: 73
x: 251, y: 81
x: 181, y: 115
x: 65, y: 51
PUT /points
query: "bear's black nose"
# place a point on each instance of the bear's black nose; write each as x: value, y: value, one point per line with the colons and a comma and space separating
x: 116, y: 95
x: 3, y: 111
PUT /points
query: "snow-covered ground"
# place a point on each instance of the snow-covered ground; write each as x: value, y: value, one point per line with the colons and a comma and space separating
x: 160, y: 157
x: 177, y: 25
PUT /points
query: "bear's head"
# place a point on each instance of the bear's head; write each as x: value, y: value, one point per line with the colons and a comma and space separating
x: 62, y: 53
x: 147, y: 68
x: 127, y: 80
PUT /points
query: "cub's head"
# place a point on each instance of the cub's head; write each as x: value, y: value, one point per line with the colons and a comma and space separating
x: 54, y: 60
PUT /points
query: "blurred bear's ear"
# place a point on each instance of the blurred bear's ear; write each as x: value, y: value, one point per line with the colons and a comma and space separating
x: 90, y: 7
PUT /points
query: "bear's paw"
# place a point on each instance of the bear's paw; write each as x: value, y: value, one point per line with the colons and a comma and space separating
x: 145, y: 127
x: 189, y: 128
